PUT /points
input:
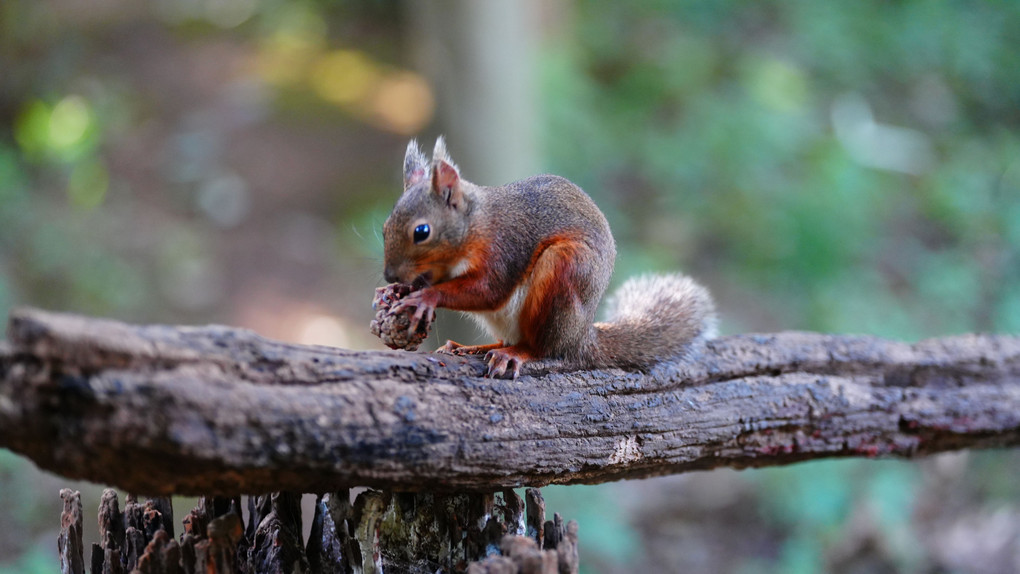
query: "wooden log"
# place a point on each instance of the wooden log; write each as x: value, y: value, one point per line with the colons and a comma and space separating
x: 200, y: 410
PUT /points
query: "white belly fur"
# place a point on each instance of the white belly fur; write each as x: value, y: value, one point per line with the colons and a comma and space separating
x: 503, y: 323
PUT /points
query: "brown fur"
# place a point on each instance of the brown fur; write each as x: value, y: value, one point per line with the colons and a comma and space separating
x: 531, y: 260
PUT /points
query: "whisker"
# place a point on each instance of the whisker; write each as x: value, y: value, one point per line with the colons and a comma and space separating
x: 354, y: 228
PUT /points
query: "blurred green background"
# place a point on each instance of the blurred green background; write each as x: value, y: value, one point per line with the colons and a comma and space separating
x: 845, y: 167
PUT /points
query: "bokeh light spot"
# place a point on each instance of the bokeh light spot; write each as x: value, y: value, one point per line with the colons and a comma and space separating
x: 323, y: 330
x: 229, y: 13
x: 344, y: 77
x: 778, y: 85
x: 285, y: 58
x: 404, y: 103
x: 224, y: 200
x: 299, y: 35
x: 68, y: 122
x: 31, y: 129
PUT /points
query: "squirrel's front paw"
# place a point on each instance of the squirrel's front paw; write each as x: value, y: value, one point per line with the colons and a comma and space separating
x: 424, y: 302
x: 499, y: 360
x: 398, y: 328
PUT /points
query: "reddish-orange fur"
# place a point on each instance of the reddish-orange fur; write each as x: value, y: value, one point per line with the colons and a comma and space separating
x: 530, y: 260
x: 470, y: 291
x: 551, y: 290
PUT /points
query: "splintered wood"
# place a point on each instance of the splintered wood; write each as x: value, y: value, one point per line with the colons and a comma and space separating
x: 391, y: 532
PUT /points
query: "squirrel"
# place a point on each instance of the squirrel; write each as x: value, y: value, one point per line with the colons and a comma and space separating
x: 530, y: 261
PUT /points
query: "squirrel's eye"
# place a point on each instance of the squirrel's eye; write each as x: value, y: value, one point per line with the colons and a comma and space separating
x: 421, y: 233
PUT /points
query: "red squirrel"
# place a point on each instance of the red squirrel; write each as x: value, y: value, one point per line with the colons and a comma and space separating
x: 530, y: 261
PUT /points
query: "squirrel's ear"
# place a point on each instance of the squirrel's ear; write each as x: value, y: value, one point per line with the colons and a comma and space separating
x: 415, y: 164
x: 439, y: 153
x: 445, y: 175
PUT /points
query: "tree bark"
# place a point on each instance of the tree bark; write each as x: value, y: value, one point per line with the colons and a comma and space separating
x: 69, y: 543
x: 204, y: 410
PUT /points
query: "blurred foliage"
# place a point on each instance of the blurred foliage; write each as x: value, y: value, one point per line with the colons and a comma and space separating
x: 108, y: 128
x: 37, y: 560
x: 756, y: 143
x: 845, y: 167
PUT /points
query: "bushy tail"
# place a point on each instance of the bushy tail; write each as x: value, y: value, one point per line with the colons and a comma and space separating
x: 655, y: 318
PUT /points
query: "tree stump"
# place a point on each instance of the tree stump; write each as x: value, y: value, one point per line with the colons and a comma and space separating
x: 409, y: 533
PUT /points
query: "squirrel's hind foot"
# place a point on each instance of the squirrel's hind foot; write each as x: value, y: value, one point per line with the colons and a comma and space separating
x: 503, y: 358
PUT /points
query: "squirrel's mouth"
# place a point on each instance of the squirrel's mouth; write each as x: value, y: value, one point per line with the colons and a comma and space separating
x: 422, y: 281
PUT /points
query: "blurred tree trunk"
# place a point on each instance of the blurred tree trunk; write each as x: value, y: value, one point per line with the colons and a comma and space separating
x: 479, y: 56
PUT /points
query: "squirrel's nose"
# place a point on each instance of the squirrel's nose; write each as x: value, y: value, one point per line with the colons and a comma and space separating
x: 390, y: 274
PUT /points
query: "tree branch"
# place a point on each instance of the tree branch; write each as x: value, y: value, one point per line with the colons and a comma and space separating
x: 201, y: 410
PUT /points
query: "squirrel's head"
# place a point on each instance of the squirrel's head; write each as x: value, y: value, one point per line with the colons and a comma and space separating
x: 424, y: 235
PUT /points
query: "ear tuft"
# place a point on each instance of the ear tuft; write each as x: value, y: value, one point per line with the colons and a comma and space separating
x: 416, y: 165
x: 446, y: 176
x: 439, y: 153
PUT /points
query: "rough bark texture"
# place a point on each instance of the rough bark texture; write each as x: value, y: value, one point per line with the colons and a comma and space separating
x: 215, y: 410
